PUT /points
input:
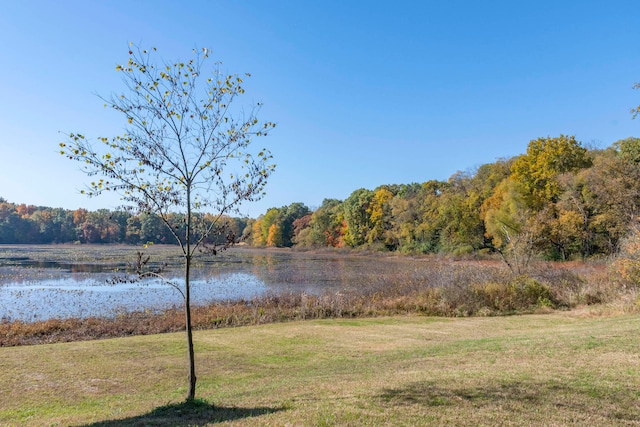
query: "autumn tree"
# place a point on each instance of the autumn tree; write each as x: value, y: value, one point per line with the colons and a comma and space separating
x: 628, y: 149
x: 427, y: 232
x: 546, y: 158
x: 607, y: 196
x: 80, y: 216
x: 462, y: 230
x: 627, y: 262
x: 326, y: 226
x: 356, y: 216
x: 379, y: 211
x: 270, y: 228
x: 255, y: 233
x: 274, y: 235
x: 289, y: 215
x: 301, y: 229
x: 404, y: 220
x: 414, y: 216
x: 12, y: 226
x: 186, y: 148
x: 507, y: 220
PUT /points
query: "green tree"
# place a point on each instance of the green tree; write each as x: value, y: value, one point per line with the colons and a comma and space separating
x: 289, y: 215
x: 10, y: 223
x: 186, y: 148
x: 151, y: 228
x: 133, y: 229
x: 356, y: 216
x: 429, y: 228
x: 234, y: 229
x: 462, y: 229
x: 414, y: 221
x: 118, y: 226
x: 63, y: 223
x: 628, y: 149
x: 44, y: 223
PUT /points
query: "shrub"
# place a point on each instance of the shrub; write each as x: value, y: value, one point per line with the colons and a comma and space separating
x: 463, y: 250
x: 520, y: 294
x: 626, y: 267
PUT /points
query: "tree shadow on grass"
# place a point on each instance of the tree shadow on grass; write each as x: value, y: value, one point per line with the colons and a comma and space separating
x: 429, y: 394
x: 609, y: 402
x: 194, y: 413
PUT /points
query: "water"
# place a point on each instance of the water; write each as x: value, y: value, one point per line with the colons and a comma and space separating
x: 79, y: 298
x: 39, y: 283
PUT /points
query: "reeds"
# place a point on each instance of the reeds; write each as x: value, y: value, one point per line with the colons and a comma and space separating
x: 450, y: 288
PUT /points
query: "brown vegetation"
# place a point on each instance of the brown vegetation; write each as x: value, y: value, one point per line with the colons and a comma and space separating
x: 452, y: 288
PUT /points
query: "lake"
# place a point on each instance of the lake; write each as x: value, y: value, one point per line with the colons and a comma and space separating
x: 62, y: 281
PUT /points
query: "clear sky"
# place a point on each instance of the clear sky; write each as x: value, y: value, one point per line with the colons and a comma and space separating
x: 365, y: 93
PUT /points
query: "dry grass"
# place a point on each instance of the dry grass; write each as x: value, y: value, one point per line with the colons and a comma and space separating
x: 557, y: 369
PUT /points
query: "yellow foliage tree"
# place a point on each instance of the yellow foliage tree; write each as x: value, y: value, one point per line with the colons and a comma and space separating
x: 508, y: 223
x: 256, y: 233
x: 274, y: 238
x: 379, y: 211
x: 537, y: 170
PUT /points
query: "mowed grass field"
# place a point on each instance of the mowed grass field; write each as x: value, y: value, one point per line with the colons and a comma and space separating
x: 564, y: 368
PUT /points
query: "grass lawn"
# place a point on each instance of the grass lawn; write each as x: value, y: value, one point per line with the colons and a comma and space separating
x: 555, y: 369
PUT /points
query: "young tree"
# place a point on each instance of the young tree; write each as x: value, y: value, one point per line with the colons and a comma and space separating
x: 186, y: 149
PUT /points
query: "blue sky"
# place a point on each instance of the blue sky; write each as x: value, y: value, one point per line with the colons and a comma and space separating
x: 364, y: 93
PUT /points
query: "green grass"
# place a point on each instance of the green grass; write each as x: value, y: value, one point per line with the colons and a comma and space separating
x: 556, y: 369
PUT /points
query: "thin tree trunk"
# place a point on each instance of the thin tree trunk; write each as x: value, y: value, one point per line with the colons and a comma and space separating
x: 187, y: 302
x: 187, y: 310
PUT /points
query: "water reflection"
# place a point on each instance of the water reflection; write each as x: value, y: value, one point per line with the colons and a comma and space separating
x: 50, y: 287
x: 64, y: 298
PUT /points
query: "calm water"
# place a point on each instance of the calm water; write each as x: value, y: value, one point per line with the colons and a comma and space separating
x: 40, y: 283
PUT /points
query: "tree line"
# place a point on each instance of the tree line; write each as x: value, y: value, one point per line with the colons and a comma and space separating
x: 560, y: 200
x: 21, y: 223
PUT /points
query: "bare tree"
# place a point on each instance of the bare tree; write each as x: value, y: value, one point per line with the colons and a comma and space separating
x: 186, y: 152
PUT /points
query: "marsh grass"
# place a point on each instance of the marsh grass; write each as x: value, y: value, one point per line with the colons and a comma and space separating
x: 442, y: 287
x: 555, y: 369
